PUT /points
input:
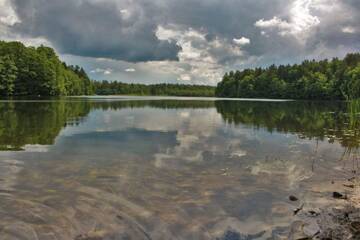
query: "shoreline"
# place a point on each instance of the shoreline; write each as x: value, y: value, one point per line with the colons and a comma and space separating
x: 339, y: 219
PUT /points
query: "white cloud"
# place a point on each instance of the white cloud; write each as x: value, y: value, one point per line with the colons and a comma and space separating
x: 275, y: 22
x: 8, y: 16
x: 130, y: 70
x: 106, y: 71
x: 200, y: 60
x: 166, y: 34
x: 348, y: 29
x: 184, y: 77
x: 264, y: 34
x: 7, y: 35
x: 124, y: 11
x: 300, y: 23
x: 125, y: 14
x: 241, y: 41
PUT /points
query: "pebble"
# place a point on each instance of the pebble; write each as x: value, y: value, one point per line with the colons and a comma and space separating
x: 293, y: 198
x: 311, y: 229
x: 338, y: 195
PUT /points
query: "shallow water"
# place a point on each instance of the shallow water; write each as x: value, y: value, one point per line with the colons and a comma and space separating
x: 149, y: 168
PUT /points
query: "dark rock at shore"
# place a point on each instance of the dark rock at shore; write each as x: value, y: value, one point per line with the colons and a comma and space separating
x: 293, y: 198
x: 297, y: 210
x: 337, y: 224
x: 338, y: 195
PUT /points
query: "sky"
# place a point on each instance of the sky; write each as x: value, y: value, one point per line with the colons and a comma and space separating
x: 183, y: 41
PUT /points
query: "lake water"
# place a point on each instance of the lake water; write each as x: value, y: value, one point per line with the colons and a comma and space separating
x: 174, y: 168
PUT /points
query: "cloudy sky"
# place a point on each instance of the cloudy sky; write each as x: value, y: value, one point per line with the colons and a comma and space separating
x: 183, y: 41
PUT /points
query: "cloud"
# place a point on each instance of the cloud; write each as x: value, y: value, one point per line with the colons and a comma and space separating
x: 348, y: 29
x: 184, y: 77
x: 125, y: 14
x: 241, y: 41
x: 8, y: 16
x: 95, y: 29
x: 106, y: 71
x: 176, y: 41
x: 275, y: 22
x: 199, y: 58
x: 300, y: 23
x: 130, y: 70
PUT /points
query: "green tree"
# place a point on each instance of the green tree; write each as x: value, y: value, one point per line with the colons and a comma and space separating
x: 8, y: 74
x: 39, y: 71
x: 335, y: 79
x: 352, y: 85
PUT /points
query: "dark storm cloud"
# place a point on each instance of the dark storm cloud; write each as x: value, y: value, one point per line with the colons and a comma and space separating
x: 95, y: 29
x: 226, y: 17
x: 353, y: 4
x: 125, y: 30
x: 98, y: 29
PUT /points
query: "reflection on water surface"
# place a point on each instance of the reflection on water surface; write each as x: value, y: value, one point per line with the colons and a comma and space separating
x: 167, y: 169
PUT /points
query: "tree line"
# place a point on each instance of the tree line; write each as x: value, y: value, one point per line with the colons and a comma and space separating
x: 38, y: 71
x: 323, y: 80
x: 31, y: 71
x: 26, y: 71
x: 119, y: 88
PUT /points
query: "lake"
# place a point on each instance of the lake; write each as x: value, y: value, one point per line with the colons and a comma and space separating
x: 169, y: 168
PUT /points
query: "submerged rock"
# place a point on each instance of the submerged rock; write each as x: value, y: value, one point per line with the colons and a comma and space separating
x: 335, y: 224
x: 338, y: 195
x: 311, y: 229
x: 293, y: 198
x: 234, y: 235
x: 355, y: 228
x: 313, y: 213
x: 297, y: 210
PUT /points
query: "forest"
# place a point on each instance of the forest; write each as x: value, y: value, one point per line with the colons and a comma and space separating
x: 30, y: 71
x: 334, y: 79
x: 38, y: 71
x: 119, y: 88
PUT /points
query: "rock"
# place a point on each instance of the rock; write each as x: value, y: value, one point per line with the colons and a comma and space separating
x: 349, y: 185
x: 298, y: 209
x: 338, y: 195
x: 311, y: 230
x: 355, y: 227
x: 87, y: 237
x: 293, y: 198
x: 312, y: 213
x: 351, y: 179
x: 234, y: 235
x: 296, y: 231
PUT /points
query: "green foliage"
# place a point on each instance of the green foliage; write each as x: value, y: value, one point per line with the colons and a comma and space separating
x: 335, y: 79
x: 38, y: 71
x: 119, y: 88
x: 8, y: 72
